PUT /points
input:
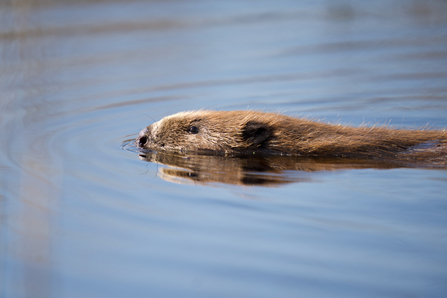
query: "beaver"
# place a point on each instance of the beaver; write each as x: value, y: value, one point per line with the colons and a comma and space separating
x: 254, y: 132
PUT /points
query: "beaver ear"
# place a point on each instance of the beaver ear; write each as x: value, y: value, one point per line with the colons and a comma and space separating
x: 255, y: 133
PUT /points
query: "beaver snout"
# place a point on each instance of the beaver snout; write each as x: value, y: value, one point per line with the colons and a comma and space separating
x: 143, y: 138
x: 141, y: 141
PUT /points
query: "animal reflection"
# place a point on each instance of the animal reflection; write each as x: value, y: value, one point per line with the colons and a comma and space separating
x: 253, y: 170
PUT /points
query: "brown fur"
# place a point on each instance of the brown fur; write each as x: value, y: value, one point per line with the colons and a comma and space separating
x: 270, y: 133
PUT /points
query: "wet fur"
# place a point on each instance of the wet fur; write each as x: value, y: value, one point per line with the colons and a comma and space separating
x: 271, y: 133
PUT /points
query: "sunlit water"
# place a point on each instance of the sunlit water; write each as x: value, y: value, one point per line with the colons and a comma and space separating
x: 80, y: 216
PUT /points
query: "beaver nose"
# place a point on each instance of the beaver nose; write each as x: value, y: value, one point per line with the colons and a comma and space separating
x: 142, y: 138
x: 141, y: 141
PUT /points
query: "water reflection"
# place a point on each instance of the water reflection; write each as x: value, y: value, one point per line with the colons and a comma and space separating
x: 254, y: 170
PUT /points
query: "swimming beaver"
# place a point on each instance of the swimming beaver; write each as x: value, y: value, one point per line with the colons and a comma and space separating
x: 271, y: 133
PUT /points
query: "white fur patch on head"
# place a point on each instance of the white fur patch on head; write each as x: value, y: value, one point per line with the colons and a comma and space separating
x: 143, y: 132
x: 154, y: 128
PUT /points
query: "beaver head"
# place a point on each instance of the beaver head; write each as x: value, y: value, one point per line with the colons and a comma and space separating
x: 207, y: 131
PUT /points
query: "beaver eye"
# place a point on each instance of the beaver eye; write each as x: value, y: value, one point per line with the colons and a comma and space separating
x: 193, y: 129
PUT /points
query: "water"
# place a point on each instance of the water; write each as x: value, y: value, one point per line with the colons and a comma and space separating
x: 82, y: 217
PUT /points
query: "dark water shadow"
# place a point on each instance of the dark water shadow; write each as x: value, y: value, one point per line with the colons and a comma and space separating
x: 255, y: 170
